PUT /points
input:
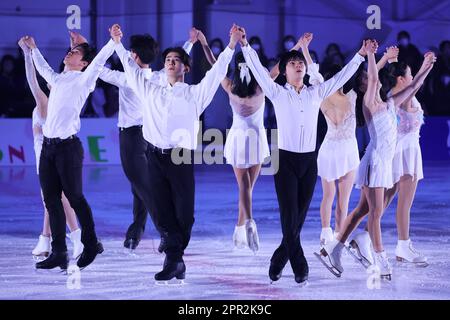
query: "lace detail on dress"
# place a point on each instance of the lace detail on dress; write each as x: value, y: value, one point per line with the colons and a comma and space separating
x: 346, y: 129
x: 383, y: 134
x: 409, y: 122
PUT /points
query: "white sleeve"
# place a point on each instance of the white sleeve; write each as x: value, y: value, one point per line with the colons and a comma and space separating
x: 268, y: 86
x: 133, y: 73
x: 95, y: 67
x: 187, y: 46
x: 206, y: 89
x: 114, y: 77
x: 339, y: 79
x: 43, y: 67
x: 314, y: 75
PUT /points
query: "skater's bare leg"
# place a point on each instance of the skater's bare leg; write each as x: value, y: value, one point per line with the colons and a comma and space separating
x: 406, y: 191
x: 375, y: 199
x: 46, y: 226
x: 254, y: 174
x: 329, y: 191
x: 245, y: 194
x: 345, y: 186
x: 389, y: 195
x: 71, y: 218
x: 352, y: 221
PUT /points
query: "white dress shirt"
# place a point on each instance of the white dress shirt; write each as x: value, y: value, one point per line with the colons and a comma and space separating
x: 297, y: 113
x: 69, y: 92
x: 130, y: 105
x: 171, y: 113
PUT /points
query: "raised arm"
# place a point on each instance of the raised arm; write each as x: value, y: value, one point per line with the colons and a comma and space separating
x: 372, y: 75
x: 39, y: 95
x: 313, y: 68
x: 303, y: 44
x: 226, y: 82
x: 114, y: 77
x: 193, y: 38
x: 134, y: 76
x: 427, y: 65
x: 41, y: 65
x: 262, y: 76
x: 390, y: 56
x: 330, y: 86
x: 93, y: 70
x: 206, y: 89
x: 275, y: 71
x: 76, y: 39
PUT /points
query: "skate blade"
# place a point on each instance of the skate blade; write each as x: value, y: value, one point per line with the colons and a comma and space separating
x: 423, y: 264
x: 273, y: 281
x: 354, y: 251
x: 170, y: 283
x: 303, y: 284
x: 386, y: 277
x: 253, y: 242
x: 333, y: 270
x: 50, y: 271
x: 40, y: 257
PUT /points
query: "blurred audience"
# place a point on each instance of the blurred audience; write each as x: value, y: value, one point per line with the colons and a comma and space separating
x: 16, y: 101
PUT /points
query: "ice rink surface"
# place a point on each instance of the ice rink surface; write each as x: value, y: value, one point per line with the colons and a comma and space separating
x: 215, y: 270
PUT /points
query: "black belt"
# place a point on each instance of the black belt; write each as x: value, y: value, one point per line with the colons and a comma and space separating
x: 160, y: 150
x: 58, y: 140
x: 130, y: 128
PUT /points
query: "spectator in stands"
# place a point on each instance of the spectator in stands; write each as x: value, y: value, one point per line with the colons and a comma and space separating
x: 408, y: 52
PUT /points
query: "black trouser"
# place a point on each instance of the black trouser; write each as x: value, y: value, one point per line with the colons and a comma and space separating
x: 133, y: 156
x: 294, y: 184
x: 173, y: 191
x: 60, y: 169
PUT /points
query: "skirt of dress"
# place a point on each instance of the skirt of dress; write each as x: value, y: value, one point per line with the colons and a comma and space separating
x: 337, y: 158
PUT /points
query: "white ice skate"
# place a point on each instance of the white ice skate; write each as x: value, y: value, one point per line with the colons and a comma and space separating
x: 252, y: 235
x: 360, y: 248
x: 326, y: 236
x: 240, y: 237
x: 330, y: 256
x: 405, y: 252
x: 75, y: 237
x: 382, y: 262
x: 42, y: 249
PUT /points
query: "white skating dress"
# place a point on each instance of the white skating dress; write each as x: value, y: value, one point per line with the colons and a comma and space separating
x: 408, y: 156
x: 246, y: 143
x: 375, y: 169
x: 338, y: 153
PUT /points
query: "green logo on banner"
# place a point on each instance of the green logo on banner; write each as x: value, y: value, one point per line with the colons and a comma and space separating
x: 94, y: 148
x: 1, y: 155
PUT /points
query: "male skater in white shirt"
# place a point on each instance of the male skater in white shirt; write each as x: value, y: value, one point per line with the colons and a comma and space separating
x: 171, y: 124
x: 296, y: 108
x: 61, y: 161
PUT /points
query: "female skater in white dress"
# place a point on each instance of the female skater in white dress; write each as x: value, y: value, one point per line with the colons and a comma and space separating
x: 246, y: 145
x: 43, y: 246
x: 406, y: 168
x: 338, y: 158
x: 375, y: 171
